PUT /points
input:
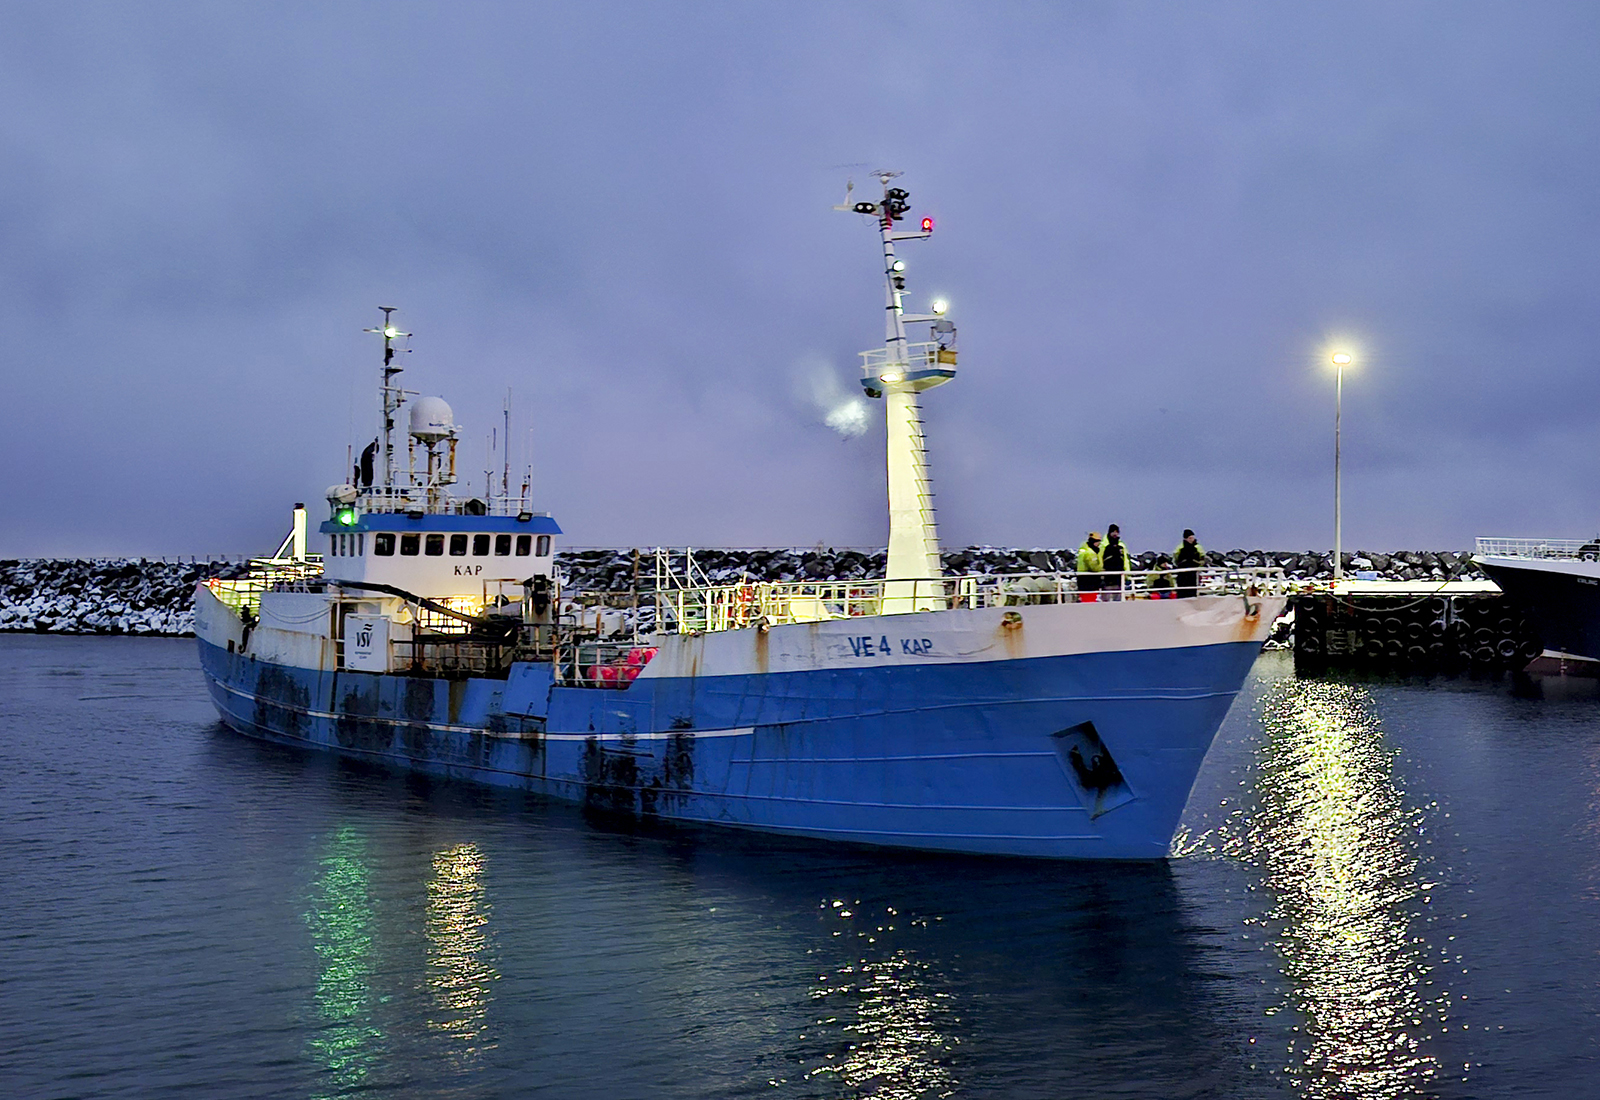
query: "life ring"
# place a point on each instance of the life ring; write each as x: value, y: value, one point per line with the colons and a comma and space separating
x: 744, y: 598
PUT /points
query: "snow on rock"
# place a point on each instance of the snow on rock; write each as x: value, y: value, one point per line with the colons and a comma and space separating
x: 146, y: 597
x: 68, y: 596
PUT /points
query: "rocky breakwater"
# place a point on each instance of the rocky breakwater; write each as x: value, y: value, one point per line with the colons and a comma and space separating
x: 614, y: 570
x: 66, y: 596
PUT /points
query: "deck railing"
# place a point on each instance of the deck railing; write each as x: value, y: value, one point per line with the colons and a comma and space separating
x: 1569, y: 549
x: 243, y: 594
x: 711, y: 608
x: 928, y: 355
x: 419, y: 498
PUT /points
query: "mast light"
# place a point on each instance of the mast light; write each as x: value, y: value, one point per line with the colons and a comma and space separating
x: 940, y: 307
x: 927, y: 225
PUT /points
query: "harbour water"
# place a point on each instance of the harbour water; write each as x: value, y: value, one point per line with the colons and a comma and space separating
x: 1385, y: 889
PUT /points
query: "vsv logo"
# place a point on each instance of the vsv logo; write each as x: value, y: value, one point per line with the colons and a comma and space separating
x: 364, y: 636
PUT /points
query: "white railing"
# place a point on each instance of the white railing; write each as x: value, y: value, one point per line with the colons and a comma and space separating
x: 437, y: 502
x: 1571, y: 549
x: 243, y: 594
x: 924, y: 356
x: 711, y: 608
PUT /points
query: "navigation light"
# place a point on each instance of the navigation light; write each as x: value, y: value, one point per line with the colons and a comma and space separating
x: 346, y: 517
x: 927, y: 225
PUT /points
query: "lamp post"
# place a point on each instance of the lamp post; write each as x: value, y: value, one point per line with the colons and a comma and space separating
x: 1341, y: 360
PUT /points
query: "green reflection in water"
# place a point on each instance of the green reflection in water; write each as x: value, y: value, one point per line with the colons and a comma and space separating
x: 883, y: 1016
x: 341, y: 920
x: 460, y: 970
x: 1337, y: 843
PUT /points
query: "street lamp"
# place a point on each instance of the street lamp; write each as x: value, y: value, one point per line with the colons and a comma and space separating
x: 1341, y: 360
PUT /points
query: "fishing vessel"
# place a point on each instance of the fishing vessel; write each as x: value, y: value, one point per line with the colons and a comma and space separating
x: 1555, y: 583
x: 433, y: 631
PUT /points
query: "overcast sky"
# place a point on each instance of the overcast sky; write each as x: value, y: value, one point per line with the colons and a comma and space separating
x: 1154, y: 220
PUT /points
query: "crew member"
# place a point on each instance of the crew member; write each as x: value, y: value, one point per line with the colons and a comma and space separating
x: 1190, y: 558
x: 1159, y: 581
x: 1089, y: 568
x: 1114, y: 562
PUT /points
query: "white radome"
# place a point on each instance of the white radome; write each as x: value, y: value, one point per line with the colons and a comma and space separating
x: 432, y: 419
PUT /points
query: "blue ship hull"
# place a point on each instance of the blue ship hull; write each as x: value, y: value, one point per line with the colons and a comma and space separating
x: 996, y: 757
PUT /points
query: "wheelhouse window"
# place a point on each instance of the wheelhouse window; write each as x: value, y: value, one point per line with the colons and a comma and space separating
x: 458, y: 546
x: 383, y: 544
x: 480, y: 546
x: 409, y: 545
x: 524, y: 545
x: 502, y: 545
x: 361, y: 544
x: 434, y: 546
x: 544, y: 546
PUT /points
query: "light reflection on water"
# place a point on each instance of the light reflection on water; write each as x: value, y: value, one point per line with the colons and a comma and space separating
x: 345, y: 1041
x: 1336, y: 843
x: 192, y: 912
x: 460, y: 966
x: 884, y: 1016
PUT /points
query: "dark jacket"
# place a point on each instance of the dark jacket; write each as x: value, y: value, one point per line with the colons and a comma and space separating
x: 1114, y: 557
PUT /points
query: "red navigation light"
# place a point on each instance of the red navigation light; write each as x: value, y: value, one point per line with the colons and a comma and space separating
x: 927, y: 225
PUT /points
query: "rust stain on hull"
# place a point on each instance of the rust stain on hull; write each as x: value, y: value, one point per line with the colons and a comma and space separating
x: 1010, y: 635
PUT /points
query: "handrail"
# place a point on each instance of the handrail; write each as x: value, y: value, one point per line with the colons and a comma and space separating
x: 435, y: 502
x: 713, y: 608
x: 919, y: 356
x: 1563, y: 549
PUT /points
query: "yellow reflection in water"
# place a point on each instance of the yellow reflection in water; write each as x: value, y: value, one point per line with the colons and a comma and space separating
x: 1335, y: 840
x: 460, y: 970
x: 887, y: 1017
x: 340, y: 919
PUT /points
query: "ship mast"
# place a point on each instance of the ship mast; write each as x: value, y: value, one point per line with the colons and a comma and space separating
x: 898, y: 372
x: 390, y: 398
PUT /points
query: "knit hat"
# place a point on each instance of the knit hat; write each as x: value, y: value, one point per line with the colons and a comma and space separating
x: 1113, y: 530
x: 1188, y: 534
